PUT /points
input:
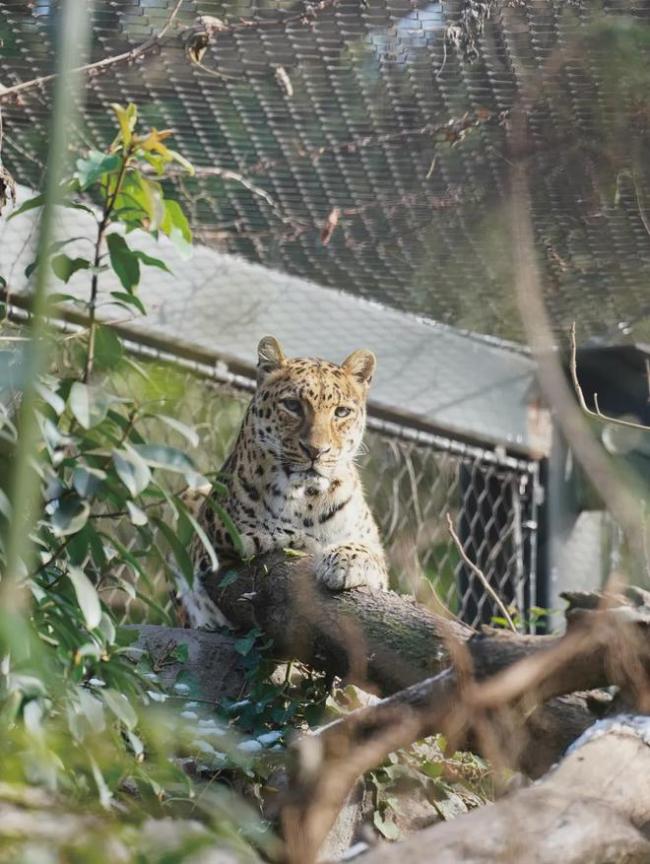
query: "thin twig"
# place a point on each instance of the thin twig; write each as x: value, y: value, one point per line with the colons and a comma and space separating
x: 617, y: 421
x: 99, y: 65
x: 227, y: 174
x: 481, y: 575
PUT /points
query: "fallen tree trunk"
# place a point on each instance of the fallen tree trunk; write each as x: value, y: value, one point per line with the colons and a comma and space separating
x: 593, y: 809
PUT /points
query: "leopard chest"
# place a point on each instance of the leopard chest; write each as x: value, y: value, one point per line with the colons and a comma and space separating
x: 294, y: 516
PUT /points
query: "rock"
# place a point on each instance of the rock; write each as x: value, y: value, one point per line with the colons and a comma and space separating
x: 212, y: 670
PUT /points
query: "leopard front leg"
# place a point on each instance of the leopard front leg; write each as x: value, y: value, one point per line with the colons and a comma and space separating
x: 352, y: 565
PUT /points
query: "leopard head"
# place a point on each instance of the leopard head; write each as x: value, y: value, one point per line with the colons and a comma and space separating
x: 308, y: 414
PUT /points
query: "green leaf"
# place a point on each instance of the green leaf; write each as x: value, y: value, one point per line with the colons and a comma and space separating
x: 228, y: 578
x: 58, y: 297
x: 30, y: 204
x: 108, y: 348
x: 187, y: 432
x: 180, y: 553
x: 386, y: 827
x: 123, y: 261
x: 152, y: 262
x: 3, y: 282
x: 229, y: 525
x: 70, y: 516
x: 140, y: 202
x: 431, y: 769
x: 176, y: 226
x: 121, y: 707
x: 87, y: 597
x: 87, y: 480
x: 164, y: 456
x: 181, y: 652
x: 207, y: 545
x: 30, y: 267
x: 244, y: 645
x: 90, y: 169
x: 89, y: 405
x: 132, y: 470
x: 64, y: 267
x: 130, y: 300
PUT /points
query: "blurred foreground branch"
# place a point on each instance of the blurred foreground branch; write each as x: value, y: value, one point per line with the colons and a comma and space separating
x: 511, y: 693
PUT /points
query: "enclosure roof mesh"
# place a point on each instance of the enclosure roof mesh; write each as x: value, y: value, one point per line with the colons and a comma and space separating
x: 387, y: 120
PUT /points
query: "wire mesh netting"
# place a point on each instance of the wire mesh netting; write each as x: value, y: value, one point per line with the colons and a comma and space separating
x: 412, y: 481
x: 393, y: 115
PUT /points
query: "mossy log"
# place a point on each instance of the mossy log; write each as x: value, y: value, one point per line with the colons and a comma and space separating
x: 390, y: 644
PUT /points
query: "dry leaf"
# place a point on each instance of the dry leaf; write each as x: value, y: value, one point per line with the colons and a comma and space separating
x: 283, y: 80
x: 330, y: 224
x: 7, y: 188
x: 199, y: 36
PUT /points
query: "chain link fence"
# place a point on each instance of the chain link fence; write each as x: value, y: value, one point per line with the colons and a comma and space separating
x: 412, y: 479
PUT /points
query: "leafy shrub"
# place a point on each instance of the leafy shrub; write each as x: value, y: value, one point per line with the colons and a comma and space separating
x: 76, y: 713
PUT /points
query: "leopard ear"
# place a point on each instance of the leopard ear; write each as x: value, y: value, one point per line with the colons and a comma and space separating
x: 361, y: 364
x: 270, y: 357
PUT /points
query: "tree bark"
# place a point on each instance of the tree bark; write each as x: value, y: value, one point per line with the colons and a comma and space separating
x: 382, y: 641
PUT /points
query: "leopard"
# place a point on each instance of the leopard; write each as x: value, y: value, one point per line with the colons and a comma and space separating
x: 291, y: 478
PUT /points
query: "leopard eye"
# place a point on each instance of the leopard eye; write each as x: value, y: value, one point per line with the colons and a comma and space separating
x: 342, y: 411
x: 293, y: 406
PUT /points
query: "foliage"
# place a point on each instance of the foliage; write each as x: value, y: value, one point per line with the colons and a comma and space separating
x: 78, y: 718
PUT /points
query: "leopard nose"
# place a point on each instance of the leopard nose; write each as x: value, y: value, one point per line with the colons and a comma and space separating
x: 314, y: 452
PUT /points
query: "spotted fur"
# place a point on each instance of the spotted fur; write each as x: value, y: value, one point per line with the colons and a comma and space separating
x: 291, y: 477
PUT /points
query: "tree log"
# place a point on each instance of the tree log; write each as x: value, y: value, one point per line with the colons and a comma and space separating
x: 382, y: 641
x: 593, y: 809
x: 388, y: 643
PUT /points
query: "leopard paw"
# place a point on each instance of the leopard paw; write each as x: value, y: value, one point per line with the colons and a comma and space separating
x: 351, y: 567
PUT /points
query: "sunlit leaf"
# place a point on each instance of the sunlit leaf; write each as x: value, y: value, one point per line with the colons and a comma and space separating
x: 164, y: 456
x: 105, y: 795
x: 87, y: 596
x: 70, y: 516
x: 136, y: 515
x: 121, y: 707
x: 190, y: 435
x: 89, y: 405
x: 127, y: 118
x: 176, y: 227
x: 56, y: 403
x: 132, y: 470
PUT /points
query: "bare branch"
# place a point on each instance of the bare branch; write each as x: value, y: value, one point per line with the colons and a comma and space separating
x: 480, y: 574
x: 7, y: 93
x: 630, y: 424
